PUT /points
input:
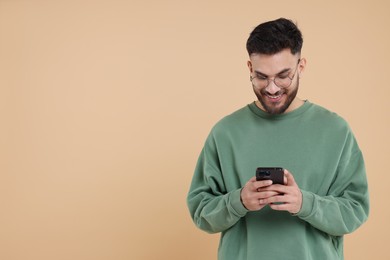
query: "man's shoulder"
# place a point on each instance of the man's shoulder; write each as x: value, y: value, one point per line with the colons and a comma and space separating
x: 235, y: 118
x: 326, y: 117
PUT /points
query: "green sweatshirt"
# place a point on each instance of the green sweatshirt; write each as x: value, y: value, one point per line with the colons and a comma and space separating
x: 317, y: 147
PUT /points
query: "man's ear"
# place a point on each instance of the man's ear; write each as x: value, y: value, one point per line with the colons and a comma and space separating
x: 249, y: 63
x: 302, y: 66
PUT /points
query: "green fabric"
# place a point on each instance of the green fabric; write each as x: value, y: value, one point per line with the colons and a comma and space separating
x: 317, y: 147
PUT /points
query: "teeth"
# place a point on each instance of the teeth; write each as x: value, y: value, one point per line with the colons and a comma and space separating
x: 274, y: 97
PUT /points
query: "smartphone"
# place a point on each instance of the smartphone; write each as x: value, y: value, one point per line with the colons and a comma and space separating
x: 275, y: 174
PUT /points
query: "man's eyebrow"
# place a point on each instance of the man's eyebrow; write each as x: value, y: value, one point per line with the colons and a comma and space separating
x: 265, y: 75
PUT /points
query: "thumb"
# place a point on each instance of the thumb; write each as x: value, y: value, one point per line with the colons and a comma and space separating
x: 289, y: 178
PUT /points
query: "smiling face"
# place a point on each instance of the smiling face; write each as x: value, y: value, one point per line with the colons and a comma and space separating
x: 277, y: 68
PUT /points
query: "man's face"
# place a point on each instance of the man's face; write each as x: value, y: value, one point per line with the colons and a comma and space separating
x: 278, y: 67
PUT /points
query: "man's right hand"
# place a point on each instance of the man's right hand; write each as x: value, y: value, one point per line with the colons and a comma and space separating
x: 253, y: 191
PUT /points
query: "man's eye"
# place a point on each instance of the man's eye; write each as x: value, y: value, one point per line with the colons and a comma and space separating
x: 261, y: 77
x: 283, y: 76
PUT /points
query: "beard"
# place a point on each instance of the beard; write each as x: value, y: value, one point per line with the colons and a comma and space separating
x: 277, y: 107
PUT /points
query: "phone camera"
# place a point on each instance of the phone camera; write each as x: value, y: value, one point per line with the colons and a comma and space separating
x: 266, y: 173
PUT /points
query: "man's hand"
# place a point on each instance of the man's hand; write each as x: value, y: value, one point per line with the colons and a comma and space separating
x: 289, y: 198
x: 253, y: 192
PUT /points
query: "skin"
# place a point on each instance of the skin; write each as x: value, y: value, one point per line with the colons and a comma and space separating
x: 279, y: 64
x: 255, y: 195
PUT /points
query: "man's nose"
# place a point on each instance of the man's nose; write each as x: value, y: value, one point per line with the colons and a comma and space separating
x: 272, y: 88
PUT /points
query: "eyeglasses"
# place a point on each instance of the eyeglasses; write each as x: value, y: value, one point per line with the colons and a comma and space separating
x: 282, y: 81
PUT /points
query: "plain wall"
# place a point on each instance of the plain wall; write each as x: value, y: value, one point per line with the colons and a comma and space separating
x: 105, y: 106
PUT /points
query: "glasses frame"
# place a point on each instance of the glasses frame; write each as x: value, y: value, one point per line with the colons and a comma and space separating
x: 269, y: 79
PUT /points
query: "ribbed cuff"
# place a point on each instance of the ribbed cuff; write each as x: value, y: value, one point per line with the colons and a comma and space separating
x: 236, y: 204
x: 307, y: 204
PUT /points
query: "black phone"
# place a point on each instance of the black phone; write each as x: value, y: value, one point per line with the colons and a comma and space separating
x: 275, y: 174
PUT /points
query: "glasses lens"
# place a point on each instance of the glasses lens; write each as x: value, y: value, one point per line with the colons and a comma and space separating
x: 282, y: 82
x: 259, y: 83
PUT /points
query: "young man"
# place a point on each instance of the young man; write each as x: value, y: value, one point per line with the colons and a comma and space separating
x: 325, y: 192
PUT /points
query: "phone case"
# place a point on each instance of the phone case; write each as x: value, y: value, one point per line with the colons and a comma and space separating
x: 275, y: 174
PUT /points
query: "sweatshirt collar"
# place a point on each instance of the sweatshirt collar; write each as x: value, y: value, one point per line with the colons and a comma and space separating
x: 296, y: 112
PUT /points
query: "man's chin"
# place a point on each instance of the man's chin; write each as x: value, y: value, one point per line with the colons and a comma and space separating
x: 274, y: 109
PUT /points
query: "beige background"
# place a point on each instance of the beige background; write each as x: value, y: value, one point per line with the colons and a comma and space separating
x: 105, y: 105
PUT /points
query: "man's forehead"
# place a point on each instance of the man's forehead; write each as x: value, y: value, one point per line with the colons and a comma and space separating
x: 275, y: 63
x: 284, y: 55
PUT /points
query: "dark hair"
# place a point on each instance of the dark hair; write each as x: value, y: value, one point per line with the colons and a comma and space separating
x: 274, y: 36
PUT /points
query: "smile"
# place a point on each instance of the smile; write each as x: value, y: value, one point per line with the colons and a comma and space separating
x: 274, y: 97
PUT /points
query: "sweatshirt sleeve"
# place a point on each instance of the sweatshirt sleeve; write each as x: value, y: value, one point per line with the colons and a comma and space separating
x: 212, y: 208
x: 346, y: 205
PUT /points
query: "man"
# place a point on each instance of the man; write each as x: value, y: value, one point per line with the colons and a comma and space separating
x: 324, y: 195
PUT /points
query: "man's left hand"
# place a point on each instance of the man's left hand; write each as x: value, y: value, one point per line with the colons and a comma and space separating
x: 290, y: 198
